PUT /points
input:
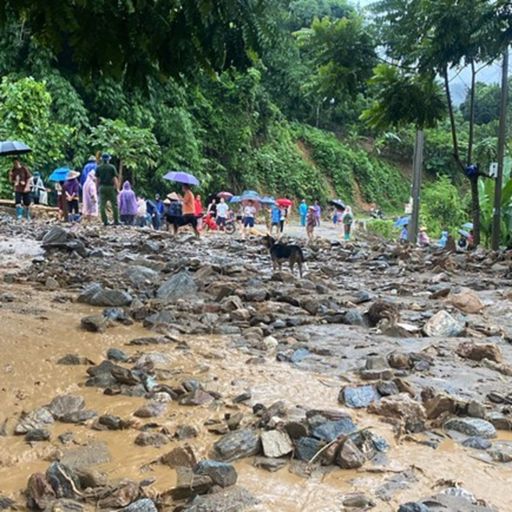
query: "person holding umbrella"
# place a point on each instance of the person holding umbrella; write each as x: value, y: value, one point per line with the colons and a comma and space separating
x: 19, y: 177
x: 189, y: 209
x: 106, y: 175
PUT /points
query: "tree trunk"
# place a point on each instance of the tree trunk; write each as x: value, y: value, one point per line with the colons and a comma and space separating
x: 475, y: 198
x: 120, y: 174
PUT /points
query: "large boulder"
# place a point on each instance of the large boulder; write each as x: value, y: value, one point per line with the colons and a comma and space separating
x: 479, y: 351
x: 59, y: 238
x: 36, y: 419
x: 178, y: 286
x: 222, y: 473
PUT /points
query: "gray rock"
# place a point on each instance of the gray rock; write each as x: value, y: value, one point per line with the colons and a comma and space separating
x: 413, y: 507
x: 112, y: 422
x: 501, y: 451
x: 350, y: 456
x: 36, y: 419
x: 140, y: 276
x: 96, y: 295
x: 330, y: 430
x: 181, y: 456
x: 236, y: 445
x: 38, y: 434
x: 143, y: 505
x: 7, y: 504
x: 221, y: 473
x: 85, y: 456
x: 161, y: 318
x: 269, y: 464
x: 62, y: 480
x: 443, y: 324
x: 354, y: 317
x: 234, y: 499
x: 474, y: 427
x: 59, y: 238
x: 74, y: 360
x: 151, y: 439
x: 94, y: 323
x: 115, y: 354
x: 151, y: 410
x: 178, y: 286
x: 65, y: 505
x: 196, y: 397
x: 358, y: 396
x: 307, y: 447
x: 65, y: 405
x: 190, y: 484
x: 478, y: 443
x: 275, y: 443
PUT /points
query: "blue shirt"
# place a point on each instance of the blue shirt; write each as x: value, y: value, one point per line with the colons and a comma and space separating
x: 276, y: 215
x: 303, y: 209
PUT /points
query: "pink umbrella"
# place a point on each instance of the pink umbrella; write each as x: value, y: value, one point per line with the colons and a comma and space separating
x: 225, y: 195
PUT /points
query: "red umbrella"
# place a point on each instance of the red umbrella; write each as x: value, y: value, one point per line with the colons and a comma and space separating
x: 285, y: 203
x: 225, y: 195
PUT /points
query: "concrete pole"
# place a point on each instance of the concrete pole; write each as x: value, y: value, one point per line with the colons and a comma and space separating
x: 416, y: 187
x: 502, y: 134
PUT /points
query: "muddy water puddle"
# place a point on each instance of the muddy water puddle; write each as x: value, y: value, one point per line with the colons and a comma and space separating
x: 36, y: 332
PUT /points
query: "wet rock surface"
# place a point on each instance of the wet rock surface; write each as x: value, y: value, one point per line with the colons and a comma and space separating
x: 360, y: 368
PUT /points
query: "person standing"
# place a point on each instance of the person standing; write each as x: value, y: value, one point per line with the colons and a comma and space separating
x: 127, y: 204
x: 37, y: 189
x: 311, y: 223
x: 90, y: 166
x: 347, y: 219
x: 249, y: 215
x: 90, y: 197
x: 72, y: 191
x: 222, y: 214
x: 19, y: 177
x: 189, y: 209
x: 106, y: 175
x: 318, y: 213
x: 198, y: 211
x: 303, y: 212
x: 275, y: 218
x: 212, y: 209
x: 142, y: 218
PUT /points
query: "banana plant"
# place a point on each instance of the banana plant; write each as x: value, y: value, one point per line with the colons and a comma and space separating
x: 487, y: 188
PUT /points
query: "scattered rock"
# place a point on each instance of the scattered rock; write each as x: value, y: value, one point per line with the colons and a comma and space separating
x: 143, y: 505
x: 350, y: 456
x: 237, y: 445
x: 471, y: 427
x: 443, y: 324
x: 34, y: 420
x: 94, y: 323
x: 37, y: 434
x: 275, y: 443
x: 180, y: 456
x: 151, y: 410
x: 479, y: 351
x: 96, y: 295
x: 358, y: 396
x: 221, y: 473
x: 151, y: 439
x: 467, y: 301
x: 269, y: 464
x: 178, y: 286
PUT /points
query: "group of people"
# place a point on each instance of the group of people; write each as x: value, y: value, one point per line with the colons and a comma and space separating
x: 87, y: 195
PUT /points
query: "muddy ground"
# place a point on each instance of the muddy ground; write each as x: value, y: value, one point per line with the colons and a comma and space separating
x: 389, y: 367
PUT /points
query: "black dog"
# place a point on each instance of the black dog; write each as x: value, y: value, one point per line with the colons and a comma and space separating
x: 282, y: 252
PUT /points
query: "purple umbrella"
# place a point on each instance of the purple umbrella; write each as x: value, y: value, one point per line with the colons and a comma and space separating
x: 181, y: 177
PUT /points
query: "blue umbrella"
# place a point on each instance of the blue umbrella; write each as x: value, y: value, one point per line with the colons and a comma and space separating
x: 468, y: 226
x: 267, y: 200
x: 401, y: 222
x: 235, y: 199
x: 250, y: 195
x: 59, y: 174
x: 13, y: 147
x: 182, y: 177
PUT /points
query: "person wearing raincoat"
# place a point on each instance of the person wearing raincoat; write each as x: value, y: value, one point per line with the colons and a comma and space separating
x: 128, y: 206
x: 90, y: 198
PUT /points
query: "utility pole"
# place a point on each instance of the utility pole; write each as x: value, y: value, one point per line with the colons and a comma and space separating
x: 417, y: 168
x: 496, y: 220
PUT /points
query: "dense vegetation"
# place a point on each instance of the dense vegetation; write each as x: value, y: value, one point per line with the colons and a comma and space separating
x: 282, y: 96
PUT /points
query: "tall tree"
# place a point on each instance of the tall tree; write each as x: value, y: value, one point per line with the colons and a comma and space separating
x: 437, y: 36
x: 135, y: 38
